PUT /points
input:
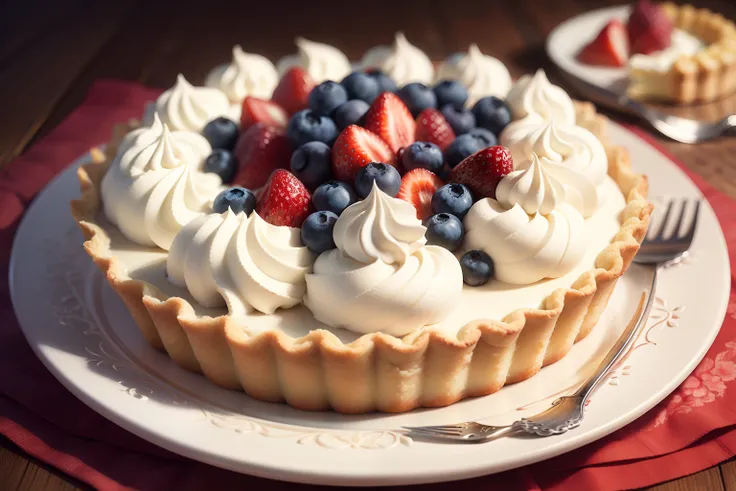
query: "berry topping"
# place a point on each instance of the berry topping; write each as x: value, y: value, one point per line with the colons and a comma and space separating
x: 417, y: 97
x: 485, y: 136
x: 417, y: 187
x: 311, y: 164
x: 451, y: 92
x: 482, y: 171
x: 386, y: 177
x: 461, y: 120
x: 237, y: 199
x: 333, y: 196
x: 466, y: 145
x: 357, y: 147
x: 259, y: 111
x: 292, y: 92
x: 444, y: 230
x: 361, y: 86
x: 221, y: 133
x: 223, y: 163
x: 326, y: 97
x: 649, y: 28
x: 477, y: 267
x: 284, y: 200
x: 317, y: 231
x: 352, y: 112
x: 455, y: 199
x: 385, y: 83
x: 609, y: 48
x: 259, y: 151
x: 307, y: 126
x: 389, y: 118
x: 422, y: 155
x: 433, y: 127
x: 492, y: 114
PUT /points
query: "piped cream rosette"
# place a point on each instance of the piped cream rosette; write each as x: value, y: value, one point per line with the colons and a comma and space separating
x: 321, y: 61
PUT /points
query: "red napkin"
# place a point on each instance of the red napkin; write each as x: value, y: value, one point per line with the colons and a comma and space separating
x: 693, y: 429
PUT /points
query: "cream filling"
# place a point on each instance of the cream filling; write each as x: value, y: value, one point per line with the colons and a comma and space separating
x: 683, y: 44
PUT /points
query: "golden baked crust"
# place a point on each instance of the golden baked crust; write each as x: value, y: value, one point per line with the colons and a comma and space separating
x: 377, y: 372
x: 703, y: 77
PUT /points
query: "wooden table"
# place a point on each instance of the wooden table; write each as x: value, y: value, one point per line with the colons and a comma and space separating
x: 51, y: 51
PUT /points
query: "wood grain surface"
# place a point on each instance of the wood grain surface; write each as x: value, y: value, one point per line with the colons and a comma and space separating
x: 52, y: 51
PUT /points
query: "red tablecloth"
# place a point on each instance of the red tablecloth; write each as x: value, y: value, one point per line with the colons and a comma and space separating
x: 693, y: 429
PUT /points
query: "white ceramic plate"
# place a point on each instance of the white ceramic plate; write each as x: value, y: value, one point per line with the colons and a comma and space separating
x: 85, y: 336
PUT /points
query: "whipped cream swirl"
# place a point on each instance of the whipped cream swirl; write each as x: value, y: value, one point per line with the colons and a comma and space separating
x: 536, y: 95
x: 533, y: 188
x: 155, y: 186
x: 483, y: 75
x: 240, y: 261
x: 402, y: 61
x: 247, y: 74
x: 321, y: 61
x: 382, y: 277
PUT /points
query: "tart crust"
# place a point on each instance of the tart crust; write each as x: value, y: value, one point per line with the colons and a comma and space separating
x: 376, y: 372
x: 704, y: 77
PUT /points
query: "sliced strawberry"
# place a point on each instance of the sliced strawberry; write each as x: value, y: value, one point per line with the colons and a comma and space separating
x: 259, y: 151
x: 284, y: 200
x: 418, y: 187
x: 293, y: 90
x: 649, y: 28
x: 260, y: 111
x: 357, y: 147
x: 482, y: 171
x: 433, y: 127
x: 389, y: 118
x: 609, y: 48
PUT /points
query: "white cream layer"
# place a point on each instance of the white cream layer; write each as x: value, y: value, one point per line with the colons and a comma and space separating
x: 683, y: 44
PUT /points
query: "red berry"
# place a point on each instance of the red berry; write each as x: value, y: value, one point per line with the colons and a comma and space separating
x: 609, y: 48
x: 417, y: 187
x: 259, y: 151
x: 389, y: 118
x: 293, y: 90
x: 432, y: 127
x: 649, y: 28
x: 284, y: 200
x: 482, y: 171
x: 357, y: 147
x: 259, y: 111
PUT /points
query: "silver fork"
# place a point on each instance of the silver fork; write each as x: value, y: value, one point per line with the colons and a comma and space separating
x: 658, y: 249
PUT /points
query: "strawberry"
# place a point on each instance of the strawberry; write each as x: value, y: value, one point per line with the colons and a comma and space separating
x: 284, y: 200
x: 293, y: 90
x: 482, y: 171
x: 389, y: 118
x: 418, y: 187
x: 432, y: 127
x: 259, y: 151
x: 357, y: 147
x: 649, y: 28
x: 609, y: 48
x: 259, y: 111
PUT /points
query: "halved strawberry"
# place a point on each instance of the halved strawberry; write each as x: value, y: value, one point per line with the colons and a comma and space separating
x: 417, y: 187
x: 357, y: 147
x: 257, y: 110
x: 389, y: 118
x: 284, y: 200
x: 482, y: 171
x: 260, y: 150
x: 433, y: 127
x: 293, y: 90
x: 609, y: 48
x: 649, y: 28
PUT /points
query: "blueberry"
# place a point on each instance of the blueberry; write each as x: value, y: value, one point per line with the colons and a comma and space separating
x: 326, y: 97
x: 461, y: 120
x: 451, y: 92
x: 492, y: 114
x: 237, y: 199
x: 488, y: 138
x: 221, y: 133
x: 306, y: 126
x: 386, y: 177
x: 385, y: 83
x: 333, y: 196
x: 466, y: 145
x: 223, y: 163
x: 423, y: 155
x: 455, y: 199
x: 417, y: 97
x: 311, y: 164
x: 361, y: 86
x: 317, y: 231
x: 444, y: 230
x: 477, y: 267
x: 351, y: 112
